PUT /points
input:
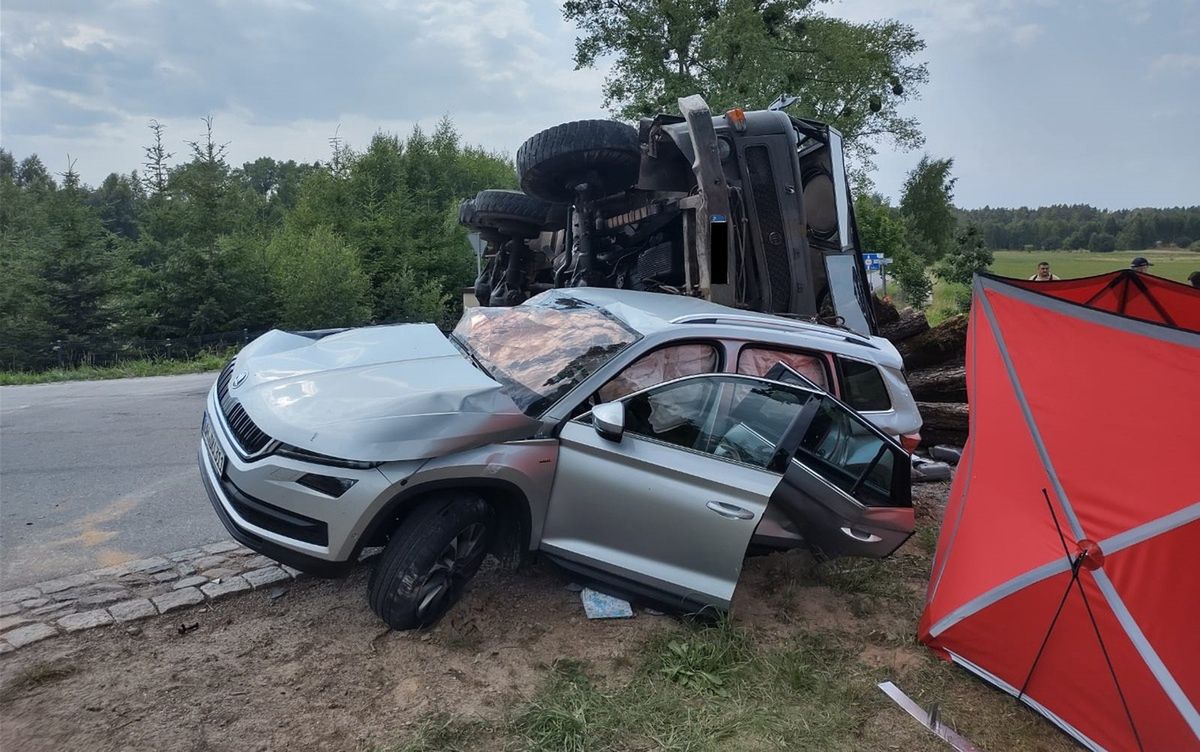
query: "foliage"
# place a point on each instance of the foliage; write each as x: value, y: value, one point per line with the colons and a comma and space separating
x: 968, y: 257
x: 202, y: 247
x: 927, y: 205
x: 1071, y: 227
x: 745, y: 53
x: 1102, y: 242
x: 882, y: 229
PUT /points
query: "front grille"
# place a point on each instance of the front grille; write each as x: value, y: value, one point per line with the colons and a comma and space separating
x: 249, y: 437
x: 770, y: 223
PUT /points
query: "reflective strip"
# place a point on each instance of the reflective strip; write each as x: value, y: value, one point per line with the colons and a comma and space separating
x: 1108, y: 546
x: 1161, y: 332
x: 1155, y: 664
x: 989, y: 676
x: 1001, y: 591
x: 962, y: 504
x: 1036, y: 435
x: 1146, y: 530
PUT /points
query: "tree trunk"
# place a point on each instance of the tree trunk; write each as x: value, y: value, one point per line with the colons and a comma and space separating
x: 944, y: 423
x: 908, y: 323
x: 946, y: 343
x: 939, y: 384
x: 885, y: 313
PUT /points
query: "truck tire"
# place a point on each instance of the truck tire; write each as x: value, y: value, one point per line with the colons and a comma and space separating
x: 602, y: 152
x: 511, y: 212
x: 429, y: 559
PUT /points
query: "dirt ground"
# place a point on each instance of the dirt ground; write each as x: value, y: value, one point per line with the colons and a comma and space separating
x: 315, y: 669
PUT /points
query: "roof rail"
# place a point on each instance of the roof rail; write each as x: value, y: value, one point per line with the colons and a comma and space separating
x: 781, y: 324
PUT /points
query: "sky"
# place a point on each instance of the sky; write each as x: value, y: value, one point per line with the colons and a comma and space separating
x: 1038, y: 101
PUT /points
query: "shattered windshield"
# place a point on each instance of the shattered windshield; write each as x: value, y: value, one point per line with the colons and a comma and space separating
x: 539, y: 352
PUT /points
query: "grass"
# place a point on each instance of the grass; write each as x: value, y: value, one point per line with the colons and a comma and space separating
x: 207, y: 361
x: 1173, y: 264
x: 745, y: 686
x: 34, y: 676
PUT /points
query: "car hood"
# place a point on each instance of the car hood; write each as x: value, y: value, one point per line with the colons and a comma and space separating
x: 373, y: 394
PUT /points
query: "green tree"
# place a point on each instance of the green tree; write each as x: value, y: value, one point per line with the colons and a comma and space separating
x: 745, y: 53
x: 316, y: 280
x: 969, y: 256
x: 927, y: 205
x: 1102, y: 242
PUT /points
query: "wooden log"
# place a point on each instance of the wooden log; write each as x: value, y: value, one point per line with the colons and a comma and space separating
x: 939, y: 384
x: 908, y: 324
x: 943, y: 423
x: 885, y: 312
x: 944, y: 344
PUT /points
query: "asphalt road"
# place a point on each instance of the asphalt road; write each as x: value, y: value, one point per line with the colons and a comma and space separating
x: 94, y: 473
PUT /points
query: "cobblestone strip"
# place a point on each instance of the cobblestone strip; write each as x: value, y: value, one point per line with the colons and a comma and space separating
x: 133, y: 590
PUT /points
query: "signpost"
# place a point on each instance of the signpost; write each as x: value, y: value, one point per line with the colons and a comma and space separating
x: 877, y: 262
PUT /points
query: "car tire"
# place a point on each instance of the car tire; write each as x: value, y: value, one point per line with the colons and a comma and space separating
x: 429, y: 559
x: 510, y: 212
x: 603, y: 152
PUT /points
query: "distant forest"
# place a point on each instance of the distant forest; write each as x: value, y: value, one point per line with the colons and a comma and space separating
x: 1082, y: 227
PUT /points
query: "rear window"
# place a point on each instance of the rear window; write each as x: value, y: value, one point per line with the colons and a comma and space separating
x: 863, y: 387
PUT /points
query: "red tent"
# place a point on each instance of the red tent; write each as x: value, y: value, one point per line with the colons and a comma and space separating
x: 1064, y: 571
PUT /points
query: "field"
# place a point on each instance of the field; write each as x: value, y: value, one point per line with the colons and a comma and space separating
x: 1173, y: 264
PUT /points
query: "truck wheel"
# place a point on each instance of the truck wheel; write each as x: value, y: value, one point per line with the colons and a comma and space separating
x: 604, y: 153
x: 429, y: 560
x: 511, y: 212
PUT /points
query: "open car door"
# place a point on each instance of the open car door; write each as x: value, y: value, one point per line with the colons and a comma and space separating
x: 660, y: 493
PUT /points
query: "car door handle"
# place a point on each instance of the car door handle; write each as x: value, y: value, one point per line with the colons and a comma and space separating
x: 730, y: 511
x: 862, y: 537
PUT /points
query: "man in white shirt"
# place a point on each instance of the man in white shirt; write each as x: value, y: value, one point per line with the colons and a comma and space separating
x: 1043, y: 273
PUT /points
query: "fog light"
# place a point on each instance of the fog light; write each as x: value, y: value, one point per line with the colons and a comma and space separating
x: 326, y: 484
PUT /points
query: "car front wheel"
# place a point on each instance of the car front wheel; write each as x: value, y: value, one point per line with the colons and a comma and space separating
x: 430, y: 559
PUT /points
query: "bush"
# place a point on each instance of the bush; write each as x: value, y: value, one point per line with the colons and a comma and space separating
x: 909, y: 272
x: 1195, y: 246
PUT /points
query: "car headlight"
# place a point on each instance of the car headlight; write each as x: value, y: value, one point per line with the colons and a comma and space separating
x: 286, y: 450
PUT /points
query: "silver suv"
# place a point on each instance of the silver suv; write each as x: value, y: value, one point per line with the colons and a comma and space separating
x: 645, y: 441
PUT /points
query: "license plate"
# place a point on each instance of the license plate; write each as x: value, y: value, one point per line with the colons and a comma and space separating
x: 215, y: 452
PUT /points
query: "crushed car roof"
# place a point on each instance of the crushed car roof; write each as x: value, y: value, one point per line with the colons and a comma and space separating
x: 651, y: 312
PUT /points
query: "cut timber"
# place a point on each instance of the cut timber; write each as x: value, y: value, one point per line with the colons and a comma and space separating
x: 885, y: 312
x: 908, y: 324
x: 943, y: 423
x: 947, y: 384
x: 945, y: 343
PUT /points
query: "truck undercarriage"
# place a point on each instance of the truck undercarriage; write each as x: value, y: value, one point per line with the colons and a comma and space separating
x: 747, y: 209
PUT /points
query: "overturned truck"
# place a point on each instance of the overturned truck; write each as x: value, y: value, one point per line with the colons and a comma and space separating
x: 750, y: 209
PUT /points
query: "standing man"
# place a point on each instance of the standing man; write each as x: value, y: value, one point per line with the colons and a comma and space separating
x: 1043, y: 273
x: 1141, y: 265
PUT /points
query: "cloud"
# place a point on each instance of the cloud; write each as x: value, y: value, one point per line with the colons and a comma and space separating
x: 1025, y: 34
x: 1172, y: 62
x: 91, y: 70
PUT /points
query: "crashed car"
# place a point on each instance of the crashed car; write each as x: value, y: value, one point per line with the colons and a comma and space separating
x: 643, y: 441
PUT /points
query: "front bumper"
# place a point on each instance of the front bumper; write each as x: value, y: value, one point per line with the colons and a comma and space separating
x: 263, y: 506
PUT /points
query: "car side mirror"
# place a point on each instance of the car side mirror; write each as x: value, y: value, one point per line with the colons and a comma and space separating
x: 609, y: 420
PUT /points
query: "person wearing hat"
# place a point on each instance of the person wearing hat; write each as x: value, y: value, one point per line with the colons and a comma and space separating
x: 1194, y: 278
x: 1140, y: 264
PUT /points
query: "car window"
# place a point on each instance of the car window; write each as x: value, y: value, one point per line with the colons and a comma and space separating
x: 723, y: 416
x: 663, y: 364
x: 863, y: 387
x: 843, y: 449
x: 758, y: 361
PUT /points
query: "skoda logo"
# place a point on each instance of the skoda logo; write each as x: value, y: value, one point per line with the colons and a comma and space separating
x: 238, y: 379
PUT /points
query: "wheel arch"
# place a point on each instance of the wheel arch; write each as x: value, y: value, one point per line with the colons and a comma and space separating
x: 511, y: 544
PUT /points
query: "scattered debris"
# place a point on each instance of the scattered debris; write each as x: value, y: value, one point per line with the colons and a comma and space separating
x: 930, y: 720
x: 946, y: 453
x: 927, y: 471
x: 573, y: 587
x: 185, y: 627
x: 276, y: 593
x: 602, y: 606
x: 133, y: 631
